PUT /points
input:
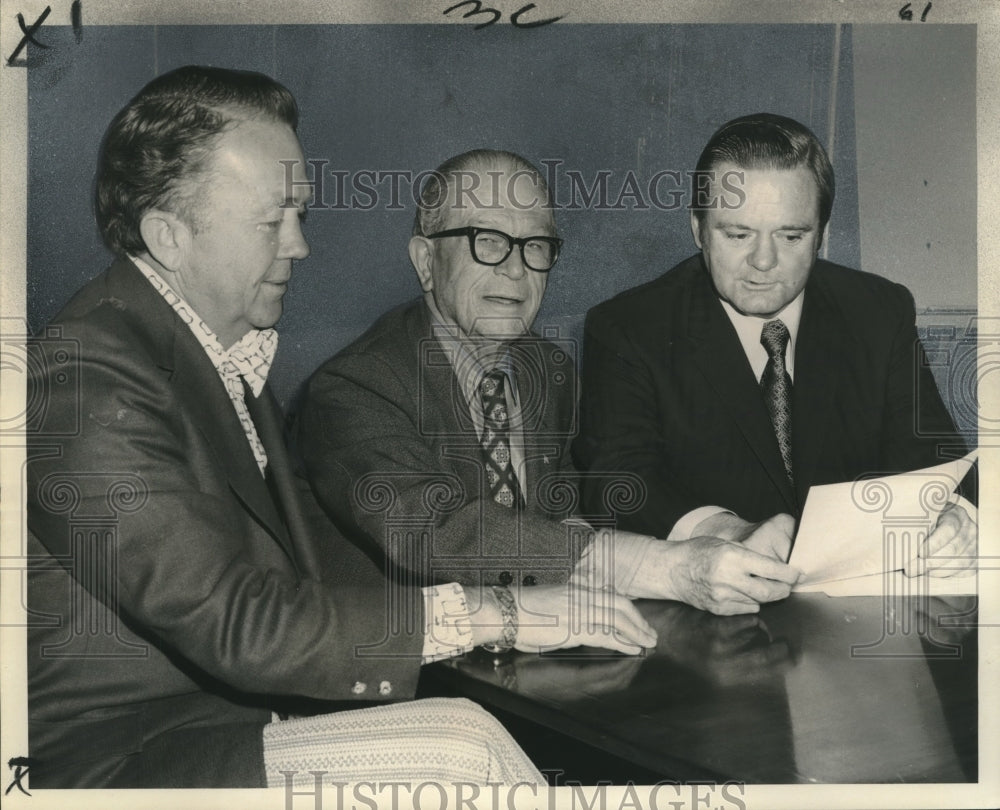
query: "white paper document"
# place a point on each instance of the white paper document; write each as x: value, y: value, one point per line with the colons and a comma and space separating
x: 851, y: 534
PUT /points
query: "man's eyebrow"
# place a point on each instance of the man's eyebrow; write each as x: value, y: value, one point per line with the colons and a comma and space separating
x: 737, y: 226
x: 305, y: 198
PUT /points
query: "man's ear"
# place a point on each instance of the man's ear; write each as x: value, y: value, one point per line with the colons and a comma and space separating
x: 422, y: 259
x: 166, y: 237
x: 823, y: 236
x: 696, y: 229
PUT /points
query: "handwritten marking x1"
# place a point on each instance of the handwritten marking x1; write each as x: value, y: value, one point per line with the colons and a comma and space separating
x: 21, y: 766
x: 29, y: 34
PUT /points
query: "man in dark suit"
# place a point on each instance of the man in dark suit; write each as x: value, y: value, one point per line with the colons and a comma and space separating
x: 752, y: 371
x: 184, y: 587
x: 440, y: 438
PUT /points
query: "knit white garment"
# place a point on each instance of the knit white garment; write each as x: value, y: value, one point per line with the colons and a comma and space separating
x: 442, y: 740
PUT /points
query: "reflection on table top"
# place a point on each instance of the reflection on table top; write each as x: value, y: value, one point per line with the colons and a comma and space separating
x: 813, y: 689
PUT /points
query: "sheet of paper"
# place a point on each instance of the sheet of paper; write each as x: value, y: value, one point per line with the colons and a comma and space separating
x: 896, y: 583
x: 863, y: 528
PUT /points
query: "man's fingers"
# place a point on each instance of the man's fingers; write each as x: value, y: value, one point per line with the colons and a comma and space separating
x: 958, y: 556
x: 772, y: 537
x: 629, y: 624
x: 623, y: 634
x: 727, y: 578
x: 765, y: 590
x: 950, y: 549
x: 734, y: 607
x: 767, y: 568
x: 617, y: 642
x: 597, y: 619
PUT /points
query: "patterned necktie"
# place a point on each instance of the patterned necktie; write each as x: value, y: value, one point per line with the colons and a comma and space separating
x: 496, y: 440
x: 777, y: 388
x: 247, y: 363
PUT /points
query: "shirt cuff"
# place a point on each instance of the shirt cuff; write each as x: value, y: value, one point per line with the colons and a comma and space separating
x: 684, y: 528
x: 611, y: 560
x: 447, y: 624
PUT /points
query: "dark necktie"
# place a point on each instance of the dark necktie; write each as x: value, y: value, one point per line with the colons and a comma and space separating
x: 496, y: 440
x: 777, y: 388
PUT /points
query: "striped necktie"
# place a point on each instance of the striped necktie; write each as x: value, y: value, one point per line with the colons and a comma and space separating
x: 777, y: 387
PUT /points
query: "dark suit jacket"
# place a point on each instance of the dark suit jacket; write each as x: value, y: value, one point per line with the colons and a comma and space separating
x: 176, y: 598
x: 393, y: 456
x: 669, y: 395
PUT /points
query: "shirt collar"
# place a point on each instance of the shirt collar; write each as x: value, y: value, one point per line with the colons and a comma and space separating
x: 748, y: 328
x: 470, y: 359
x: 250, y: 357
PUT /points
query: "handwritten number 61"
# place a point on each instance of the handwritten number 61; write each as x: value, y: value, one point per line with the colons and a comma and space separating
x: 515, y: 18
x: 906, y: 14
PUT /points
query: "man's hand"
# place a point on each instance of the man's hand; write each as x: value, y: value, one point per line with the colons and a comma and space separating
x: 731, y: 566
x: 553, y: 617
x: 951, y: 547
x: 771, y: 537
x: 727, y: 578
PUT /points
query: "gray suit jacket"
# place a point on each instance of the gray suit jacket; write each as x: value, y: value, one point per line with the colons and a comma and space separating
x: 394, y: 458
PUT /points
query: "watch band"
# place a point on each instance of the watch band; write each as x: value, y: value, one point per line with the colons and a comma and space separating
x: 508, y: 612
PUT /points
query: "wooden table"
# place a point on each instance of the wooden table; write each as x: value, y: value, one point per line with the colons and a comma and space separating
x: 813, y: 689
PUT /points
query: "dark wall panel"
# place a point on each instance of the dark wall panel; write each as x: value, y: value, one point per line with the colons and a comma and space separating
x: 590, y: 99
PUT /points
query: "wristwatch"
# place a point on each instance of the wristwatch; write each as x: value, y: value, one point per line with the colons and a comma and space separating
x: 508, y: 612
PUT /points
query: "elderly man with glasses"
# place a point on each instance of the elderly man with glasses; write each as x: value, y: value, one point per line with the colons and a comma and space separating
x: 440, y: 439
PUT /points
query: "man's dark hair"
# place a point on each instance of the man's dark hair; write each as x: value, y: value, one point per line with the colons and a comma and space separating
x: 766, y: 141
x: 432, y: 205
x: 163, y: 137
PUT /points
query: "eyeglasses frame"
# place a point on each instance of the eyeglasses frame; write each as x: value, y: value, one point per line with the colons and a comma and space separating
x: 472, y: 232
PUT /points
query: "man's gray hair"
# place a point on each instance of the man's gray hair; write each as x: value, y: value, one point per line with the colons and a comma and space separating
x: 437, y: 191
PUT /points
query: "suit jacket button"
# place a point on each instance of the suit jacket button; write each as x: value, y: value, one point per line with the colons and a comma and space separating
x: 385, y: 688
x: 530, y: 580
x: 506, y: 578
x: 359, y: 687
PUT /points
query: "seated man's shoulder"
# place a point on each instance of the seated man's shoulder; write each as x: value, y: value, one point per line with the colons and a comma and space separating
x: 858, y: 288
x: 391, y: 333
x: 97, y: 332
x: 647, y: 305
x: 101, y: 369
x: 389, y: 346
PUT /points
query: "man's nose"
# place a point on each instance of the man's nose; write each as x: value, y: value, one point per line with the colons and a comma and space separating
x: 513, y: 265
x: 764, y: 256
x: 295, y: 245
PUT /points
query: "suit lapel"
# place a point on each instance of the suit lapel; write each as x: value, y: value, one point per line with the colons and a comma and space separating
x: 543, y: 434
x: 818, y: 364
x: 268, y: 420
x: 442, y: 413
x: 442, y: 400
x: 199, y: 387
x: 717, y: 352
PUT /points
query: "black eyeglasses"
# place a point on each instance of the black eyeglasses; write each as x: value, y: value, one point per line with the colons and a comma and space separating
x: 491, y: 247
